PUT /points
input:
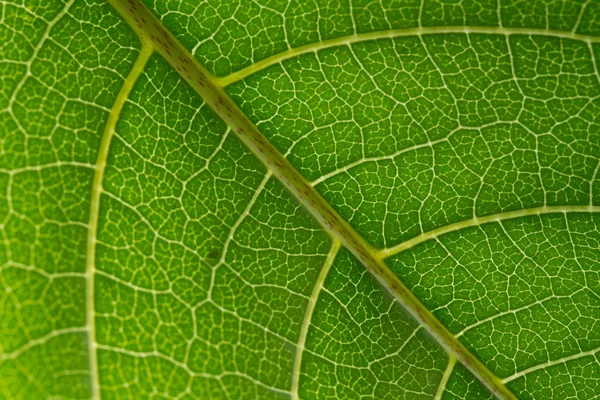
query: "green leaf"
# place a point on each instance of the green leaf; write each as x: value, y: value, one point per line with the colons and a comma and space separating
x: 272, y: 199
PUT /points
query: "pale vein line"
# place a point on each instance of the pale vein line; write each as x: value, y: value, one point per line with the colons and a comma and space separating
x: 108, y: 134
x: 36, y: 51
x: 580, y: 16
x: 397, y: 352
x: 483, y: 220
x: 48, y: 275
x: 186, y: 368
x: 445, y: 377
x: 310, y: 307
x: 244, y: 214
x: 365, y: 160
x: 40, y: 167
x: 39, y: 341
x: 234, y: 229
x: 592, y: 182
x: 551, y: 363
x: 514, y: 311
x: 390, y: 34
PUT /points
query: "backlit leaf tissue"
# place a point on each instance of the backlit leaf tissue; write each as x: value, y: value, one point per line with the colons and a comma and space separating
x: 272, y: 199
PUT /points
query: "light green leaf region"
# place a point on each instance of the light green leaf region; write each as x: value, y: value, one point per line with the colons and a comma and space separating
x: 146, y: 252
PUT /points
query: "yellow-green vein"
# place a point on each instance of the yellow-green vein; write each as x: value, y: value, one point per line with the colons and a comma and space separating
x: 310, y: 308
x: 107, y: 136
x: 445, y: 378
x: 388, y: 252
x: 390, y: 34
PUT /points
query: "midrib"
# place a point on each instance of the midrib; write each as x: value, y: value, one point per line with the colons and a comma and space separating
x: 99, y: 168
x: 390, y: 34
x: 142, y: 20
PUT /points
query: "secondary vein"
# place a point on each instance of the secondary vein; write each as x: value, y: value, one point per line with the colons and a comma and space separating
x: 445, y: 378
x: 109, y: 131
x: 394, y: 33
x: 310, y: 307
x: 388, y: 252
x: 552, y: 363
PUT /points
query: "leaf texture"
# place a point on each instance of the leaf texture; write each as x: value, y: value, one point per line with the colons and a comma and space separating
x: 149, y: 250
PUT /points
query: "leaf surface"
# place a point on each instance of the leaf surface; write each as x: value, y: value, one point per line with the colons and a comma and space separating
x: 353, y: 200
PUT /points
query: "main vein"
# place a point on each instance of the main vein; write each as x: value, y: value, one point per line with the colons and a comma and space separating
x: 142, y: 20
x: 390, y: 34
x: 107, y: 136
